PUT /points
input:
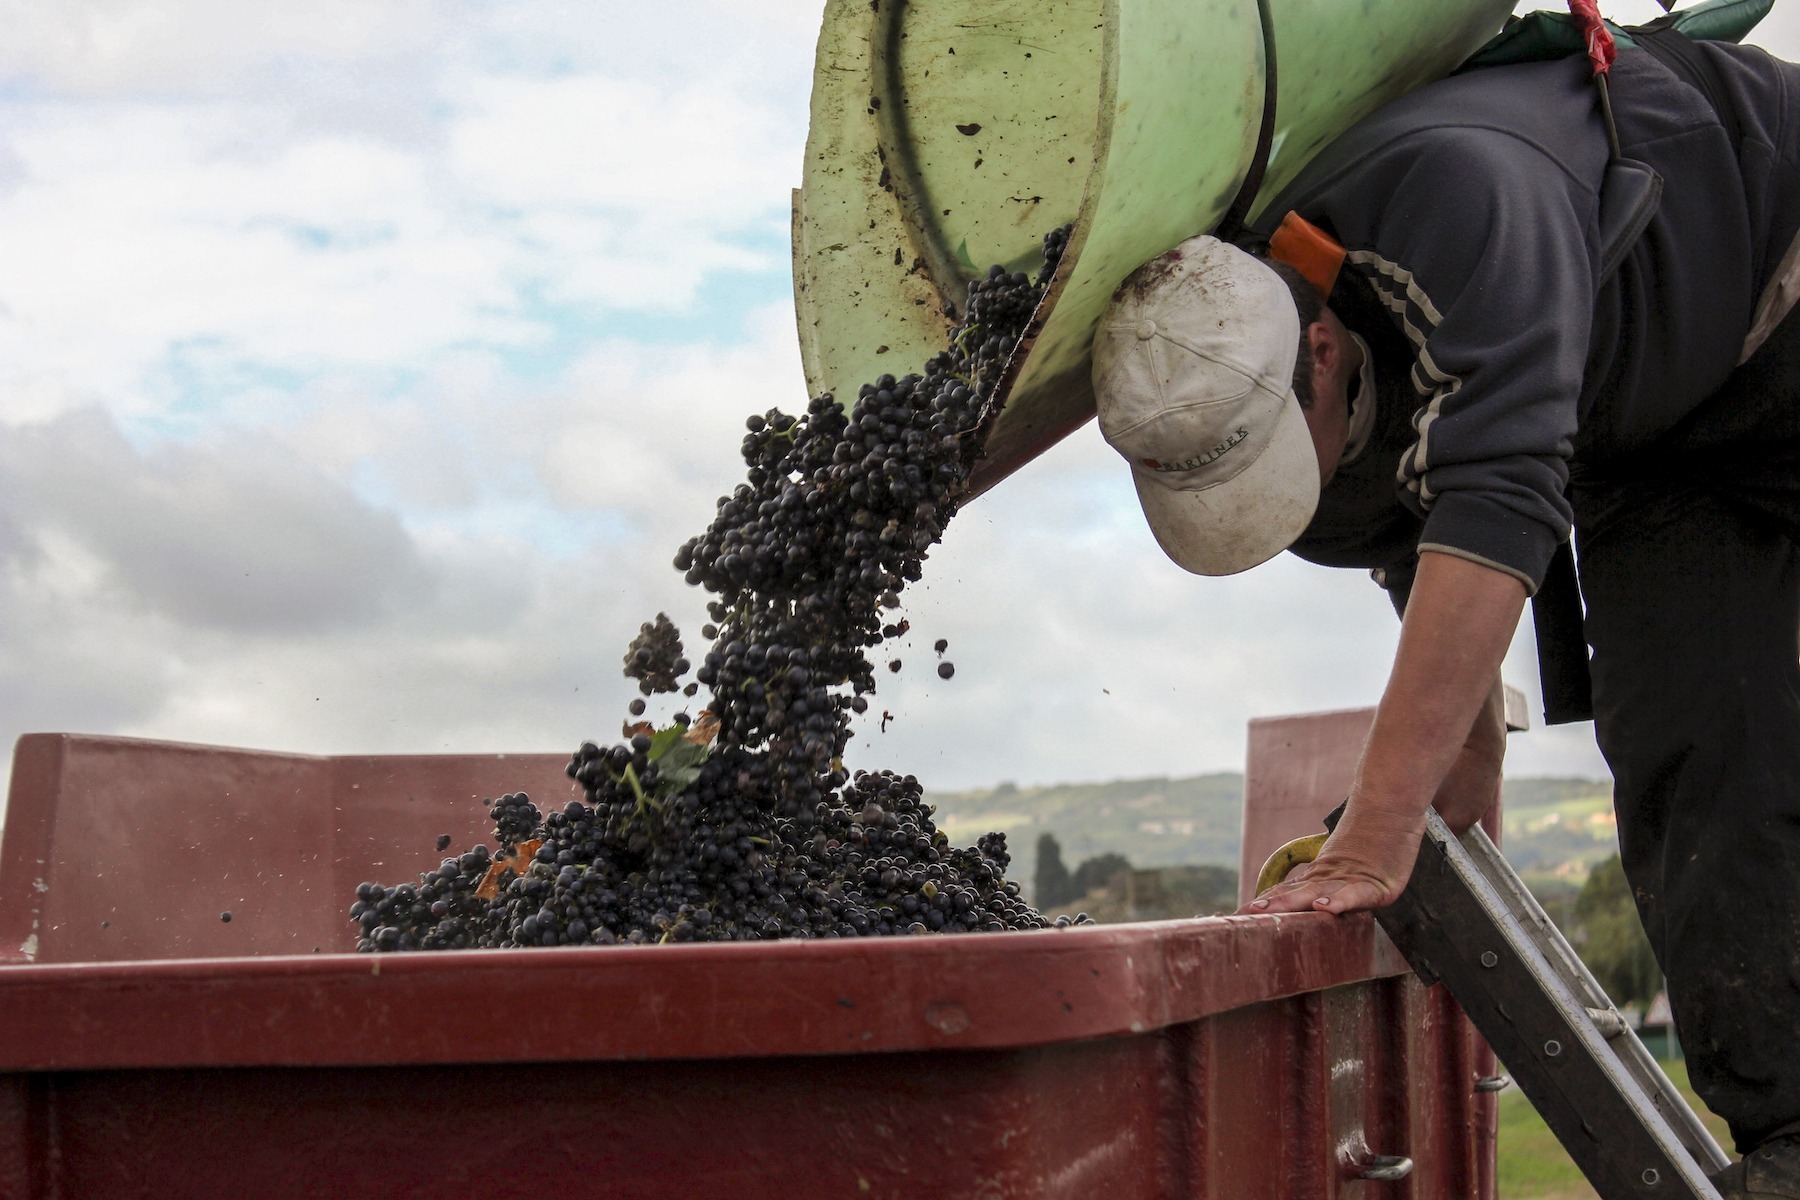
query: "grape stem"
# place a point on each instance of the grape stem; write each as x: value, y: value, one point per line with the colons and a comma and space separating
x: 961, y: 341
x: 645, y: 801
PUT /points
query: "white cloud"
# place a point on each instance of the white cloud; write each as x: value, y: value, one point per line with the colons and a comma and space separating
x: 108, y: 47
x: 682, y: 150
x: 235, y: 588
x: 234, y: 537
x: 628, y: 441
x: 1082, y: 652
x: 220, y: 592
x: 640, y: 427
x: 154, y: 238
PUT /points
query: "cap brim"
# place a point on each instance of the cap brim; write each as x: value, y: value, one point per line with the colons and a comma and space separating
x: 1248, y: 519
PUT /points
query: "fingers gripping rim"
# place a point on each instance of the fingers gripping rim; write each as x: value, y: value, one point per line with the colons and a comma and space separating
x: 1284, y: 860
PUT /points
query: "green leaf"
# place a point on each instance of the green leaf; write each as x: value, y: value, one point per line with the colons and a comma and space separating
x: 680, y: 767
x: 663, y: 739
x: 678, y: 761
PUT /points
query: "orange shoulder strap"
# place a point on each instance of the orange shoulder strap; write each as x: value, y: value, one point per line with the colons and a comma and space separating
x: 1308, y: 249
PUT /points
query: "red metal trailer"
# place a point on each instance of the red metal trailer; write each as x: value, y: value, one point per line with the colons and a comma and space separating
x: 149, y: 1048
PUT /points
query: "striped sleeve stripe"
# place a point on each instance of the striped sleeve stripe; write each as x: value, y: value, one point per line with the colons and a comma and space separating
x: 1401, y: 294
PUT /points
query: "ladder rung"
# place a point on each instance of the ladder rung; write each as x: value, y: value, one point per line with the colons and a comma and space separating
x: 1608, y: 1022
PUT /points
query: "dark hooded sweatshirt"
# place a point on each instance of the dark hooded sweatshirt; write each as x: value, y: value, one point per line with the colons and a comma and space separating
x: 1469, y: 210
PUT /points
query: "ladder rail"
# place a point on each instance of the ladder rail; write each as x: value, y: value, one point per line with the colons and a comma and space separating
x: 1467, y: 920
x: 1524, y: 909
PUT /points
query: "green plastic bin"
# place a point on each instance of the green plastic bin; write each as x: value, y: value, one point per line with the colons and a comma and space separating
x: 950, y: 134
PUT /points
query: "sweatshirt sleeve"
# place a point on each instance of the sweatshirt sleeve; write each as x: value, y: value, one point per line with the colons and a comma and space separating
x: 1482, y: 252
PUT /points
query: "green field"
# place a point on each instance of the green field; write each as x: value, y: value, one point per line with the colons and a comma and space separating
x: 1532, y: 1165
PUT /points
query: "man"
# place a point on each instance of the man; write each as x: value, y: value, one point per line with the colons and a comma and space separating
x: 1478, y: 382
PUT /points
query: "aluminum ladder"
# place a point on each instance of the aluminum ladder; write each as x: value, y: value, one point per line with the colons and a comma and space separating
x: 1466, y: 920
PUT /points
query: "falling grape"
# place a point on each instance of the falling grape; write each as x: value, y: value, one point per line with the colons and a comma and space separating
x: 742, y: 823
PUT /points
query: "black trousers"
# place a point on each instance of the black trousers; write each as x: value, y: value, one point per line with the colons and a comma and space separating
x: 1689, y: 559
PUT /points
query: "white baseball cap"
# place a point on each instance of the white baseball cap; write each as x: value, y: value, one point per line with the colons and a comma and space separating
x: 1193, y: 372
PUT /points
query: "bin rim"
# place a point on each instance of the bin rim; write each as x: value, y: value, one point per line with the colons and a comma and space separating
x: 825, y: 997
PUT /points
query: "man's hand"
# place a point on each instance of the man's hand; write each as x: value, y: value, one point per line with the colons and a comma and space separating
x: 1438, y: 736
x: 1364, y: 864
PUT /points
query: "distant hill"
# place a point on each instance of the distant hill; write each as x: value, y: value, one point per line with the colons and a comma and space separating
x: 1153, y: 822
x: 1556, y: 828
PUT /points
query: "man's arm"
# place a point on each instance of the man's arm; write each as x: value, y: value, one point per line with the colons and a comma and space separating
x: 1459, y: 622
x: 1473, y: 783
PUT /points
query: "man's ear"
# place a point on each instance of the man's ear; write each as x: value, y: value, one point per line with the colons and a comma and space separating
x: 1322, y: 341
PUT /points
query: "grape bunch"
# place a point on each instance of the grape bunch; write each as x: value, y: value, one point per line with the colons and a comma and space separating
x: 440, y: 912
x: 744, y: 824
x: 654, y: 657
x: 872, y: 864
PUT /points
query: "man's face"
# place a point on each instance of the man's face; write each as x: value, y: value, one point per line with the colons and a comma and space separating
x: 1336, y: 361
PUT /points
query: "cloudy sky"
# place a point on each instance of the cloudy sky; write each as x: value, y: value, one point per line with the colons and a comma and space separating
x: 362, y: 366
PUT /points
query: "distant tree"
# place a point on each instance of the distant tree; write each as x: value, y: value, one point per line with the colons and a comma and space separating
x: 1610, y: 938
x: 1050, y: 884
x: 1556, y: 896
x: 1097, y: 872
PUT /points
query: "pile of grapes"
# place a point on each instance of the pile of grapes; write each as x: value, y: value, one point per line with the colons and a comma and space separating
x: 743, y: 824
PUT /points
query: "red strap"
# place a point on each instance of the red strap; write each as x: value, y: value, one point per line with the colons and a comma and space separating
x: 1308, y: 249
x: 1600, y: 48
